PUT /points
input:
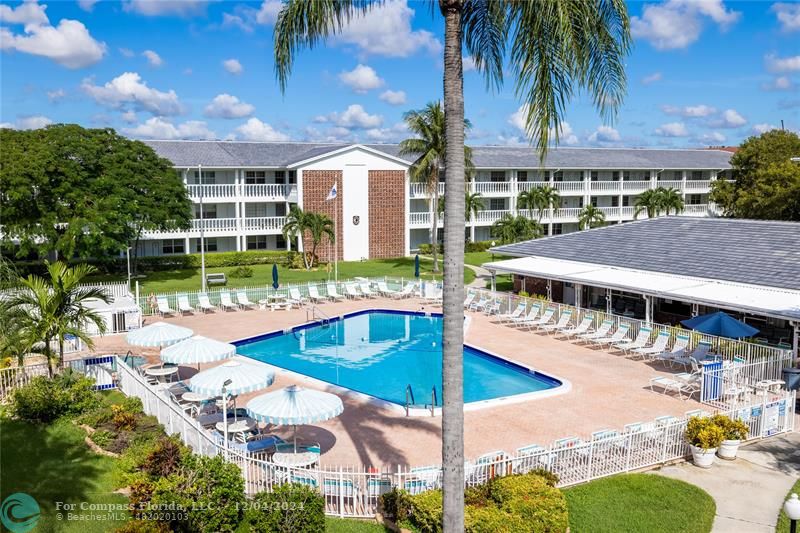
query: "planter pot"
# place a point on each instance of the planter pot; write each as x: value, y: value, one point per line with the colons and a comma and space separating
x: 728, y: 448
x: 703, y: 458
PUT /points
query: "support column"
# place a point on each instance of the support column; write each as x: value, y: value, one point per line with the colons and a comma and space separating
x: 549, y: 290
x: 695, y: 310
x: 609, y: 307
x: 494, y: 281
x: 648, y: 312
x: 796, y: 341
x: 578, y: 295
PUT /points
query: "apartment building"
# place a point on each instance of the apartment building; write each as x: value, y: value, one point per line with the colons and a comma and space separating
x: 242, y: 191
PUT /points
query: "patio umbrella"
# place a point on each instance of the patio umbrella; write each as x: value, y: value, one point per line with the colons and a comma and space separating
x: 159, y: 334
x: 196, y: 350
x: 416, y: 266
x: 240, y: 378
x: 295, y: 405
x: 720, y: 324
x: 274, y: 276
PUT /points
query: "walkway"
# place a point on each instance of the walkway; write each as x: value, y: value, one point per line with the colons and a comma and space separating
x: 749, y: 491
x: 482, y: 277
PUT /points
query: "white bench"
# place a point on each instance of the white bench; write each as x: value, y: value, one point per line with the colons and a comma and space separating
x: 216, y: 279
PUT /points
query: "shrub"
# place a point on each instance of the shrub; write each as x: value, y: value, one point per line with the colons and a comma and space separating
x: 143, y: 526
x: 478, y: 246
x: 45, y: 399
x: 102, y: 438
x: 288, y: 508
x: 426, y: 511
x: 549, y: 477
x: 164, y: 458
x: 732, y: 429
x: 704, y: 433
x: 492, y: 520
x: 396, y: 504
x: 531, y: 498
x: 523, y: 294
x: 123, y: 419
x: 241, y: 272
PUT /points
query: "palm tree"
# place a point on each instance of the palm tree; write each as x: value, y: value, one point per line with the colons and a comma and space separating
x: 510, y: 229
x: 48, y: 309
x: 591, y: 217
x: 671, y: 199
x: 320, y: 225
x: 649, y: 202
x: 539, y: 199
x: 473, y: 203
x: 429, y: 147
x: 555, y: 48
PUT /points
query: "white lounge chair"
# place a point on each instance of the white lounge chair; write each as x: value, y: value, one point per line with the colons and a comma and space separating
x: 366, y: 291
x: 351, y: 291
x: 384, y: 289
x: 680, y: 383
x: 562, y: 323
x: 225, y: 301
x: 433, y: 294
x: 580, y: 329
x: 533, y: 312
x: 468, y: 299
x: 621, y: 335
x: 599, y: 333
x: 480, y: 304
x: 678, y: 350
x: 699, y: 353
x: 659, y: 345
x: 407, y: 292
x: 314, y: 295
x: 639, y: 342
x: 163, y: 306
x: 542, y: 320
x: 204, y: 303
x: 183, y: 304
x: 492, y: 308
x: 243, y: 301
x: 515, y: 314
x: 295, y: 298
x: 332, y: 293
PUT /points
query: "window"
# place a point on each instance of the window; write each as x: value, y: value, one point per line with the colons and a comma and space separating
x: 580, y: 202
x: 257, y: 242
x: 558, y: 176
x: 497, y: 175
x: 697, y: 174
x: 615, y: 201
x: 173, y: 246
x: 595, y: 175
x: 255, y: 176
x: 280, y: 242
x: 497, y: 204
x: 615, y: 175
x: 292, y: 177
x: 626, y: 201
x: 211, y: 245
x: 209, y: 177
x: 280, y: 210
x: 280, y: 176
x: 594, y: 201
x: 695, y: 199
x: 255, y: 210
x: 522, y: 175
x: 626, y: 175
x: 209, y: 211
x: 558, y: 229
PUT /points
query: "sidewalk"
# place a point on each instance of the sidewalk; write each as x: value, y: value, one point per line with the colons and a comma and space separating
x: 749, y: 491
x: 482, y: 277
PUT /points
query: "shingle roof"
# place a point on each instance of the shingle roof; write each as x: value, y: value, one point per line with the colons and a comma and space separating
x: 745, y: 251
x: 263, y: 154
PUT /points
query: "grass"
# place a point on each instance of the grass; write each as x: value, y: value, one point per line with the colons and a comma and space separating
x: 349, y: 525
x: 783, y: 520
x: 479, y: 258
x: 189, y: 279
x: 52, y: 464
x: 639, y: 502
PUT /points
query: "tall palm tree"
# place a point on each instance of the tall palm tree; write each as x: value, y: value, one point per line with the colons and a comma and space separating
x: 671, y: 200
x: 554, y: 48
x: 320, y: 226
x: 591, y: 217
x: 48, y: 309
x: 429, y: 146
x: 649, y: 202
x: 510, y: 229
x: 473, y: 203
x: 539, y: 199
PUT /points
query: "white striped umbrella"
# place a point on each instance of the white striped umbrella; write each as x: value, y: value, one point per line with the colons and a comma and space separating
x: 196, y: 350
x: 295, y: 405
x: 244, y: 377
x: 158, y: 334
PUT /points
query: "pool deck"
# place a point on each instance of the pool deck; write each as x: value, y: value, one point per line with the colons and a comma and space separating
x: 608, y: 391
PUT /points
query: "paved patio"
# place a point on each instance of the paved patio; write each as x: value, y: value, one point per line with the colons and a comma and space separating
x: 608, y: 391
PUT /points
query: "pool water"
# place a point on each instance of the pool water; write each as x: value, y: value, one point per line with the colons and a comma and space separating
x: 380, y: 353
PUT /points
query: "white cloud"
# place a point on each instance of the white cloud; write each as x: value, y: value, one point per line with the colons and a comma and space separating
x: 127, y: 52
x: 395, y: 133
x: 713, y: 137
x: 393, y: 97
x: 758, y: 129
x: 246, y: 18
x: 236, y: 21
x: 255, y: 130
x: 69, y: 44
x: 129, y: 117
x: 692, y: 111
x: 652, y: 78
x: 676, y: 24
x: 730, y: 118
x: 268, y: 12
x: 33, y: 122
x: 565, y: 133
x: 468, y: 64
x: 780, y: 83
x: 353, y: 117
x: 56, y: 95
x: 788, y: 15
x: 129, y: 89
x: 782, y: 64
x: 385, y: 30
x: 672, y: 129
x: 605, y: 135
x: 361, y: 79
x: 228, y: 106
x: 87, y: 5
x: 233, y: 66
x: 155, y: 8
x: 159, y: 128
x: 153, y: 58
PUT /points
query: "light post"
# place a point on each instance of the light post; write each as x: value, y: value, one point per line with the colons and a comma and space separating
x: 202, y: 233
x: 492, y: 250
x: 792, y: 509
x: 128, y: 257
x: 225, y: 410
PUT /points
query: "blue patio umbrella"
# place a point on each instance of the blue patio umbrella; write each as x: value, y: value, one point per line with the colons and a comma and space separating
x: 720, y: 324
x: 416, y: 266
x: 274, y: 276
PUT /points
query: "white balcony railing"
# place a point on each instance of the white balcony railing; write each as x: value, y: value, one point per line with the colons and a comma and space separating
x: 488, y: 188
x: 695, y: 209
x: 489, y: 216
x: 264, y: 223
x: 568, y: 186
x: 420, y: 190
x: 214, y: 224
x: 420, y: 219
x: 267, y: 190
x: 635, y: 186
x: 524, y: 186
x: 698, y: 185
x: 220, y: 190
x: 564, y: 213
x: 670, y: 184
x: 603, y: 186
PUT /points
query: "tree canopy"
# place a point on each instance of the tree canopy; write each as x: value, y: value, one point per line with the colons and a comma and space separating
x: 766, y: 180
x: 70, y: 191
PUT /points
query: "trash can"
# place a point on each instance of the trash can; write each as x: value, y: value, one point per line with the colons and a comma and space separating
x: 791, y: 376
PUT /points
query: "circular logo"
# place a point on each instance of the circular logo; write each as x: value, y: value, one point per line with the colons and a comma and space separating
x: 19, y: 513
x: 356, y: 220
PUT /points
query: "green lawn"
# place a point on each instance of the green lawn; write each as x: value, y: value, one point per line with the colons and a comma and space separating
x: 644, y: 503
x: 478, y: 258
x: 346, y: 525
x: 189, y: 279
x: 783, y: 521
x: 52, y: 464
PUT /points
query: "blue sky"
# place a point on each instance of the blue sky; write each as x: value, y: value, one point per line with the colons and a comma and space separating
x: 702, y: 72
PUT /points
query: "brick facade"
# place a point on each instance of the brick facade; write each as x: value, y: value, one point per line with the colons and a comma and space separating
x: 387, y: 205
x: 316, y: 186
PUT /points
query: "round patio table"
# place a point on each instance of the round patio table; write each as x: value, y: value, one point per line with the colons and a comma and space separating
x: 240, y: 426
x: 295, y: 459
x: 161, y: 371
x: 195, y: 397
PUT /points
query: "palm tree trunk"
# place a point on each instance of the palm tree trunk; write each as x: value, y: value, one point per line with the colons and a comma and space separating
x: 435, y: 226
x: 453, y: 332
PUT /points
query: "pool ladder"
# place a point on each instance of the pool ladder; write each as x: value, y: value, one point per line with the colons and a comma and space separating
x: 410, y: 399
x: 313, y: 310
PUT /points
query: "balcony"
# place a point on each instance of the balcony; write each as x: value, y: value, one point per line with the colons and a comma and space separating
x: 418, y: 219
x: 568, y: 187
x: 264, y: 224
x: 263, y: 191
x: 222, y: 190
x: 491, y: 188
x: 698, y: 185
x: 277, y: 191
x: 525, y: 186
x: 670, y: 184
x: 420, y: 190
x: 635, y: 187
x: 489, y: 216
x: 213, y: 224
x: 697, y: 210
x: 563, y: 214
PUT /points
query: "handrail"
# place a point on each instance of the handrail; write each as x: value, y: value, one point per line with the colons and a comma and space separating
x: 433, y: 401
x: 409, y: 392
x: 314, y: 310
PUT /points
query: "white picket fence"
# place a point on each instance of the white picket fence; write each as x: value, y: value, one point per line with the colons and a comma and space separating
x: 354, y: 491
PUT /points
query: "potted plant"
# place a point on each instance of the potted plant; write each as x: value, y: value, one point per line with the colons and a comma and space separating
x: 735, y: 432
x: 704, y: 437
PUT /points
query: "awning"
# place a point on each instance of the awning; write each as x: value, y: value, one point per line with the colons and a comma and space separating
x: 755, y: 299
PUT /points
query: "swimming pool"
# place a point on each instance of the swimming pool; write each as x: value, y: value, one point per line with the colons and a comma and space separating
x: 380, y: 353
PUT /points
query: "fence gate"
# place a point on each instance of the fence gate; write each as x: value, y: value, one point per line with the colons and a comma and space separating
x: 101, y: 369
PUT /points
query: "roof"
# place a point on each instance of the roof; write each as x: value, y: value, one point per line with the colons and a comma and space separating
x: 775, y: 302
x: 284, y: 154
x: 756, y: 252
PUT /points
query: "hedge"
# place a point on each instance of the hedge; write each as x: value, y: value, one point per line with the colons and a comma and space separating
x: 477, y: 246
